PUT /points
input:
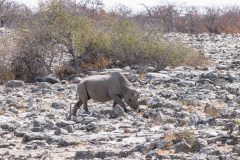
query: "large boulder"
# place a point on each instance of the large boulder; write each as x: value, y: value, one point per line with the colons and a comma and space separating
x: 210, y: 76
x: 182, y: 146
x: 14, y: 83
x: 236, y: 149
x: 49, y: 78
x: 33, y: 136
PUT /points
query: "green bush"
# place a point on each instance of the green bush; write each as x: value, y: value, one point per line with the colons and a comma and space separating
x: 133, y: 46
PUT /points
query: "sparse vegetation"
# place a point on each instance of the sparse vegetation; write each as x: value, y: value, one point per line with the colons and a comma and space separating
x: 93, y: 42
x: 186, y: 112
x: 172, y: 18
x: 96, y: 39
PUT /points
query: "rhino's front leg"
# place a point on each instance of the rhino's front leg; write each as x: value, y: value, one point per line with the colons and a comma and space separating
x: 118, y: 100
x: 85, y: 107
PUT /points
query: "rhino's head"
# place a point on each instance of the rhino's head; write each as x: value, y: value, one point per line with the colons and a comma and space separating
x: 131, y: 98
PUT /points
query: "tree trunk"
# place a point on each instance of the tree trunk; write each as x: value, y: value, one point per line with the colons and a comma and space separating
x: 1, y: 22
x: 75, y: 60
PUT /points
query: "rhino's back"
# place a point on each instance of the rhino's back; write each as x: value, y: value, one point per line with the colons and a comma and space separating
x: 107, y: 79
x: 98, y: 87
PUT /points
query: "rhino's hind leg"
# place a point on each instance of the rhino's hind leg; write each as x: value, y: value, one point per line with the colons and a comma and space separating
x: 76, y: 107
x: 114, y: 104
x: 118, y: 100
x: 85, y: 107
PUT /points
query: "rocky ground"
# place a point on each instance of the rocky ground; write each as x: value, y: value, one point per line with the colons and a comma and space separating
x: 191, y: 113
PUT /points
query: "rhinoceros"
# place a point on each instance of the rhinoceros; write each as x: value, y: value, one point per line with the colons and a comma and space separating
x: 102, y: 88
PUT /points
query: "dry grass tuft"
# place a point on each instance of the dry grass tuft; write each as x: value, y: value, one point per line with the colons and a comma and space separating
x: 211, y: 110
x: 65, y: 70
x: 100, y: 63
x: 164, y: 152
x: 187, y: 135
x: 170, y: 136
x: 6, y: 73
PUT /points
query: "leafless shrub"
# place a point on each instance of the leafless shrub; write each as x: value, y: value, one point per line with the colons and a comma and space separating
x: 29, y: 62
x: 13, y: 14
x: 172, y: 18
x: 190, y: 21
x: 7, y: 47
x: 230, y: 19
x: 212, y: 20
x: 164, y: 16
x: 121, y: 10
